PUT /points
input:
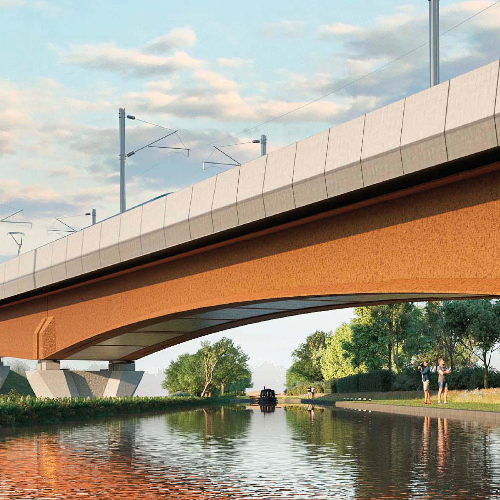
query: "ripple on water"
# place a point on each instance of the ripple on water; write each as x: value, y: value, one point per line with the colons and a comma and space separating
x: 241, y: 453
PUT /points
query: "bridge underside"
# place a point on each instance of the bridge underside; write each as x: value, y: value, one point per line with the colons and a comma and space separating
x: 144, y: 341
x: 433, y: 241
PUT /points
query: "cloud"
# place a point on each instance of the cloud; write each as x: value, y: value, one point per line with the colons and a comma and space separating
x: 178, y: 38
x: 84, y: 105
x: 109, y: 57
x: 11, y: 189
x: 160, y: 85
x: 214, y: 80
x: 327, y: 31
x: 230, y: 106
x: 67, y: 172
x: 365, y: 49
x: 37, y: 5
x: 284, y: 29
x: 11, y: 119
x: 12, y: 3
x: 234, y: 62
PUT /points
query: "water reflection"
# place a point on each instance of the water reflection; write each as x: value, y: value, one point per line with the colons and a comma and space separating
x: 244, y: 453
x: 267, y: 408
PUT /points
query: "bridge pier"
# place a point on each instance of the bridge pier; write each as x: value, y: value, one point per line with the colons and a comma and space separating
x: 4, y: 371
x: 49, y: 381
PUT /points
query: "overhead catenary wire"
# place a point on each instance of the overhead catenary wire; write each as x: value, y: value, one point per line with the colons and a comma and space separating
x: 131, y: 117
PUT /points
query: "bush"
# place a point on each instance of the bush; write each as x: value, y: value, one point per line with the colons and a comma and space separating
x: 28, y: 410
x: 333, y: 385
x: 299, y: 389
x: 348, y: 384
x: 472, y: 378
x: 410, y: 379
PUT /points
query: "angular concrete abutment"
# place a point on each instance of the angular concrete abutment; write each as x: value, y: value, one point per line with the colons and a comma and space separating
x: 49, y: 381
x: 4, y: 372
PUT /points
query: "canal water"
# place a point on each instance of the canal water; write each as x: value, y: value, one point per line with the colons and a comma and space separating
x: 241, y: 452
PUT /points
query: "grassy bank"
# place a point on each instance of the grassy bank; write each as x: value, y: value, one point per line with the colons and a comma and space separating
x: 18, y: 383
x: 471, y: 406
x: 27, y: 410
x: 477, y: 399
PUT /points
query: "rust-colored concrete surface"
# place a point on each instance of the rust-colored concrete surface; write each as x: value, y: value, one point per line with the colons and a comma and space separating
x: 443, y: 240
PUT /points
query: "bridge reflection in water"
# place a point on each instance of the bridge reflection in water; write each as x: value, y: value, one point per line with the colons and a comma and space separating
x: 238, y: 452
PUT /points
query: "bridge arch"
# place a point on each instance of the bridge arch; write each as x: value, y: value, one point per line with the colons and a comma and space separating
x: 438, y: 240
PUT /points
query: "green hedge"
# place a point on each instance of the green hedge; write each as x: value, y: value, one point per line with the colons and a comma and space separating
x: 348, y: 384
x: 411, y: 380
x: 376, y: 381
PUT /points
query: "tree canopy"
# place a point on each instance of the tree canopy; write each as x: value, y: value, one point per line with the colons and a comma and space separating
x: 397, y: 336
x: 214, y: 366
x: 335, y: 361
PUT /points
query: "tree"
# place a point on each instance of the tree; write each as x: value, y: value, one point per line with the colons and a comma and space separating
x: 184, y: 374
x: 212, y: 365
x: 484, y: 331
x: 210, y: 356
x: 294, y: 376
x: 383, y: 335
x: 335, y: 361
x: 307, y: 357
x: 456, y: 325
x: 232, y: 366
x: 19, y: 367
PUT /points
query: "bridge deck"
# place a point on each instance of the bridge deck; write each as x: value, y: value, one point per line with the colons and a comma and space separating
x: 445, y: 123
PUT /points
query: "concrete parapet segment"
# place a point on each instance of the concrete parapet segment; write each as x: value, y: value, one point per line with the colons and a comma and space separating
x: 48, y: 381
x: 4, y: 372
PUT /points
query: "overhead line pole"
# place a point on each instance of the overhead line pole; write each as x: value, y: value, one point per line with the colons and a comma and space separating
x: 434, y: 41
x: 121, y: 121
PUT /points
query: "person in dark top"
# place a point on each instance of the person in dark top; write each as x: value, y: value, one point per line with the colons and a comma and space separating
x: 425, y: 369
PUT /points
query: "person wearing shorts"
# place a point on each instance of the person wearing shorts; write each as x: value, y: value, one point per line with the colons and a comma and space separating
x: 426, y: 380
x: 442, y: 382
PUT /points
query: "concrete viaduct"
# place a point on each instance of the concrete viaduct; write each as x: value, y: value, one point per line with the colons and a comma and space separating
x: 400, y: 204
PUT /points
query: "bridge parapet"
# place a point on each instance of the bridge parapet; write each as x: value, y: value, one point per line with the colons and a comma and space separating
x: 447, y: 122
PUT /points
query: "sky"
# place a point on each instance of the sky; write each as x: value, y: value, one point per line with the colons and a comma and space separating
x: 219, y: 73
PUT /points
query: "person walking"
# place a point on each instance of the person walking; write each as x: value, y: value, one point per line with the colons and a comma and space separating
x: 309, y: 392
x: 312, y: 392
x: 442, y: 382
x: 425, y: 369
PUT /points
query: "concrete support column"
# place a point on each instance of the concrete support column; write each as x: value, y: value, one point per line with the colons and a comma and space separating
x: 49, y: 381
x: 123, y: 379
x: 4, y: 372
